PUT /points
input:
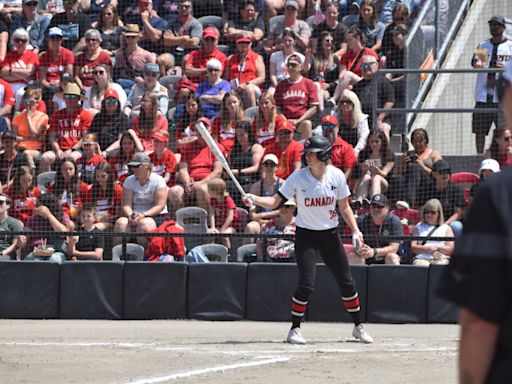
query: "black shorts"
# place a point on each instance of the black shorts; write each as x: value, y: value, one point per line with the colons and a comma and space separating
x: 482, y: 121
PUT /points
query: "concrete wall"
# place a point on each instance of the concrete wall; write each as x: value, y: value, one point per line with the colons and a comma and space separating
x: 451, y: 133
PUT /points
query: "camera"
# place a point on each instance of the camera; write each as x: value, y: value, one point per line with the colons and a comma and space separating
x: 412, y: 156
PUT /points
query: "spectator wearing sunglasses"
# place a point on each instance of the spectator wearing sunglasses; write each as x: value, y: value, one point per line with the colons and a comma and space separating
x: 35, y: 24
x: 20, y: 64
x: 93, y: 56
x: 342, y: 155
x: 374, y: 224
x: 150, y: 84
x: 74, y: 25
x: 67, y: 127
x: 9, y: 244
x: 432, y: 225
x: 101, y: 84
x: 55, y: 61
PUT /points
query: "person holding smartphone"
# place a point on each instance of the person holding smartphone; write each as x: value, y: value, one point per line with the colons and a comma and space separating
x: 415, y: 167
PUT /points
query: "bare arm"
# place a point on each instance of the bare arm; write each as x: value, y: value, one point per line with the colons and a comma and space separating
x: 229, y: 220
x: 477, y: 346
x: 126, y: 202
x: 4, y: 38
x: 271, y: 202
x: 160, y: 199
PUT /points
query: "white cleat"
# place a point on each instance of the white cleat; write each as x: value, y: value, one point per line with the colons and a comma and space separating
x: 295, y: 337
x: 360, y: 333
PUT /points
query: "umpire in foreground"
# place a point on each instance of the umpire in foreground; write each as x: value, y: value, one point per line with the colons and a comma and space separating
x: 479, y: 277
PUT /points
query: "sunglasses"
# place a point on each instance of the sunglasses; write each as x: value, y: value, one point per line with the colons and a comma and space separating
x: 4, y: 201
x: 70, y: 96
x: 20, y: 41
x: 269, y: 165
x: 213, y: 70
x: 376, y: 206
x: 430, y: 212
x: 110, y: 101
x: 131, y: 37
x: 100, y: 72
x: 367, y: 65
x: 209, y: 39
x: 90, y: 40
x: 185, y: 6
x: 345, y: 102
x: 284, y: 133
x: 328, y: 126
x: 55, y: 37
x: 243, y: 43
x: 150, y: 74
x: 507, y: 138
x: 292, y: 65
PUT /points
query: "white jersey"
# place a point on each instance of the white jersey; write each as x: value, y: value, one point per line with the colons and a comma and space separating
x: 503, y: 56
x: 316, y: 200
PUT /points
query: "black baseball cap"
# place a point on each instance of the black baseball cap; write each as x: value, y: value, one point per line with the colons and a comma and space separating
x: 379, y: 199
x: 441, y: 166
x: 8, y: 135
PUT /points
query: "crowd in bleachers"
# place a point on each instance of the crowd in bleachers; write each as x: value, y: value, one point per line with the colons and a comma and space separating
x: 99, y: 102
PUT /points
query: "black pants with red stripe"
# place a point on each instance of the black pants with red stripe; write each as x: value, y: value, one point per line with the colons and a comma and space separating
x: 308, y: 244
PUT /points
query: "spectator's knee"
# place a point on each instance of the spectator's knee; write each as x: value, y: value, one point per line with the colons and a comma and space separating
x: 392, y: 258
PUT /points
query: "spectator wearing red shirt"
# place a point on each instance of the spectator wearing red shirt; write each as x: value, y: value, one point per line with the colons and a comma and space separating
x: 195, y: 62
x: 149, y: 121
x: 223, y: 216
x: 297, y: 98
x: 23, y: 194
x: 246, y: 72
x: 53, y: 63
x: 224, y: 124
x: 197, y: 166
x: 7, y: 101
x: 267, y: 119
x: 105, y: 194
x: 67, y: 128
x: 93, y: 56
x: 342, y: 154
x: 163, y: 159
x: 287, y: 150
x: 350, y: 62
x: 19, y: 65
x: 91, y: 157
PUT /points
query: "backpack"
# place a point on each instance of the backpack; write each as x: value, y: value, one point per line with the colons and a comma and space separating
x: 158, y: 246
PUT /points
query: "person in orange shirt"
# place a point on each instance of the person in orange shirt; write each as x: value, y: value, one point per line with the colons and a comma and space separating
x: 30, y: 127
x: 287, y: 150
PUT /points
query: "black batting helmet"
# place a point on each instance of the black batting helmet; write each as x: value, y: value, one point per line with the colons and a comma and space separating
x: 319, y: 144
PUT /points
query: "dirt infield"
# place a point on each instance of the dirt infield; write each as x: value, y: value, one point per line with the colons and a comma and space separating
x: 188, y: 351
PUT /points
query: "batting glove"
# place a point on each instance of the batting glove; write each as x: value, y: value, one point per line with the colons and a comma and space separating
x: 357, y: 240
x: 248, y: 199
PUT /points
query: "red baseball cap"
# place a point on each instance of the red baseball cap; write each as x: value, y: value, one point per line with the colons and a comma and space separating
x: 160, y: 137
x: 329, y: 119
x: 285, y: 126
x: 210, y: 32
x: 244, y: 39
x: 109, y: 93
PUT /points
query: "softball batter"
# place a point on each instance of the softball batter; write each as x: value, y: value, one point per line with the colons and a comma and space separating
x: 317, y: 189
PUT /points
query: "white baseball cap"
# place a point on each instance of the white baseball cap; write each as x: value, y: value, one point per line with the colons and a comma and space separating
x: 271, y: 157
x: 490, y: 164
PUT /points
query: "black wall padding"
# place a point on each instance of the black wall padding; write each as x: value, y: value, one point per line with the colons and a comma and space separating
x: 155, y: 290
x: 270, y: 287
x: 91, y: 290
x: 438, y: 309
x: 29, y: 290
x: 217, y: 291
x: 325, y: 303
x: 397, y: 294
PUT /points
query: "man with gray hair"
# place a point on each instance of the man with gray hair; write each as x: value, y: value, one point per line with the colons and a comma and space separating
x: 73, y: 24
